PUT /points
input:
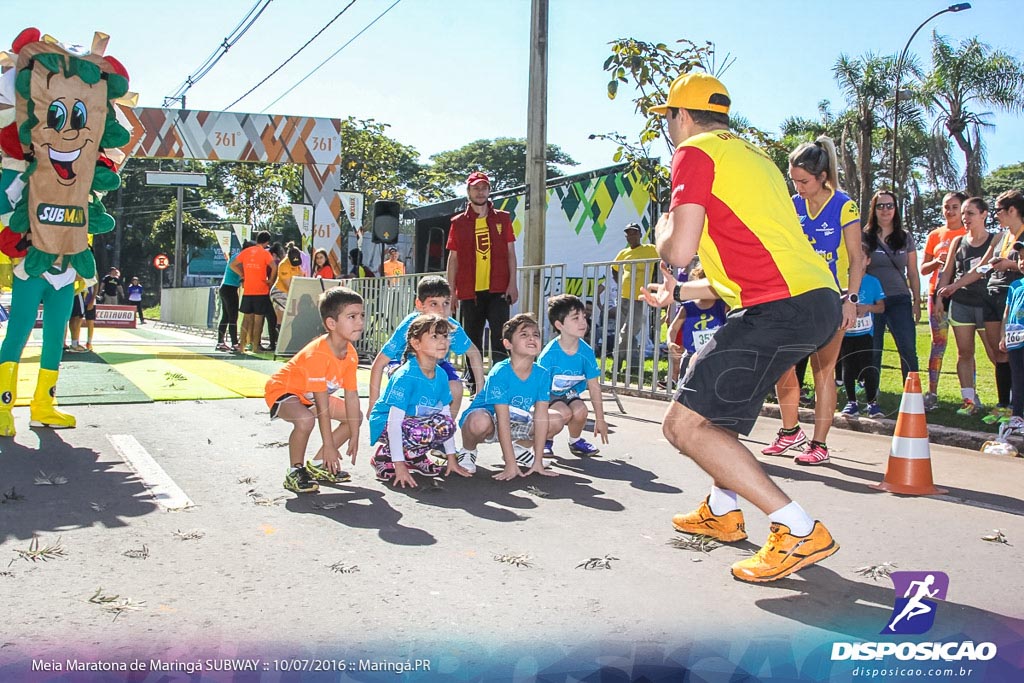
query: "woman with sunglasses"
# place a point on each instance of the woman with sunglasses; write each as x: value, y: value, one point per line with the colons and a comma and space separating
x: 963, y: 283
x: 935, y: 249
x: 894, y: 263
x: 831, y: 222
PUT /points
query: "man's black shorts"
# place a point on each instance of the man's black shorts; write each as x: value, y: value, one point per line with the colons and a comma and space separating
x: 78, y: 309
x: 727, y: 380
x: 257, y: 304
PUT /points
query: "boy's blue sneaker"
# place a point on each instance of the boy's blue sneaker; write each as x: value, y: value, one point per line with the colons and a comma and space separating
x: 581, y: 447
x: 549, y: 449
x: 874, y: 411
x: 851, y: 410
x: 299, y: 481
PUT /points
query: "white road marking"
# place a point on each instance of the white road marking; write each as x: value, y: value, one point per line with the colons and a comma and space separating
x: 166, y: 493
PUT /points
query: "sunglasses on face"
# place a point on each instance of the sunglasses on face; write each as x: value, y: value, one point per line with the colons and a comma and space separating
x: 885, y: 205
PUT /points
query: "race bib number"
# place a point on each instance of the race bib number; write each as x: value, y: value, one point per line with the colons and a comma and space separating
x: 1015, y: 338
x: 702, y: 337
x: 865, y: 323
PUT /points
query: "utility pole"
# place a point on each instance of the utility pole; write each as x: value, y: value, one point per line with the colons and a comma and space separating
x: 178, y: 271
x: 536, y: 149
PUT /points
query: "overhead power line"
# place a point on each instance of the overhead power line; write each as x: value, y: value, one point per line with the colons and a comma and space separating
x: 336, y: 52
x: 236, y: 34
x: 282, y: 65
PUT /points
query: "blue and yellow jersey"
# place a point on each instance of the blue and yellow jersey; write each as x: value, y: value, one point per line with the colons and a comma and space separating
x: 825, y: 232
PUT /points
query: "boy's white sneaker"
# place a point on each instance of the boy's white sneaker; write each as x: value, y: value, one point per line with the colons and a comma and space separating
x: 524, y: 456
x: 467, y: 460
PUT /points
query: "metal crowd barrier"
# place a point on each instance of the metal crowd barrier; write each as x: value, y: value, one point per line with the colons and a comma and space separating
x: 386, y: 302
x: 615, y: 314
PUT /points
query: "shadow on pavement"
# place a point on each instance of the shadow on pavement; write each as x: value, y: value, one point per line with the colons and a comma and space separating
x: 486, y: 498
x: 982, y: 499
x: 861, y: 609
x: 94, y: 492
x: 618, y: 470
x: 361, y: 509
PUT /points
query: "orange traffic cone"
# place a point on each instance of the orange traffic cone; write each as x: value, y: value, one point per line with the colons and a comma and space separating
x: 909, y: 470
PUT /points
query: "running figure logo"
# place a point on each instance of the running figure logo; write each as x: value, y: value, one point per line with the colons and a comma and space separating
x: 914, y: 609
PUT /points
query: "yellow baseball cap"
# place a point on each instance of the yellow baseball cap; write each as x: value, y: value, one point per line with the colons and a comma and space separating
x: 696, y: 90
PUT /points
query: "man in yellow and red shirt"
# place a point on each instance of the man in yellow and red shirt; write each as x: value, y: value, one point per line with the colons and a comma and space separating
x: 258, y: 270
x: 482, y: 267
x: 731, y: 206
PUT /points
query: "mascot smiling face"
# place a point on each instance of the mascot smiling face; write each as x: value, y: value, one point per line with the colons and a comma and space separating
x: 65, y: 121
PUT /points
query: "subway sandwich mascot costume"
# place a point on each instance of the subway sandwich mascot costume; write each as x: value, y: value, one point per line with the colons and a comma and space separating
x: 59, y: 136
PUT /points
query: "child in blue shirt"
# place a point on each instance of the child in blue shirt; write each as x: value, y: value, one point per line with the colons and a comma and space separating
x: 573, y: 367
x: 512, y: 407
x: 434, y: 297
x: 856, y: 354
x: 413, y: 416
x: 1012, y: 341
x: 135, y: 297
x: 694, y: 325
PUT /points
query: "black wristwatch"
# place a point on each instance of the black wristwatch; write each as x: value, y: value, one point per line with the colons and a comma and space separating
x: 853, y: 298
x: 675, y: 292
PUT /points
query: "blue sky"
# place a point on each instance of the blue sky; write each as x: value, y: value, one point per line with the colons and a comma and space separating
x: 446, y: 72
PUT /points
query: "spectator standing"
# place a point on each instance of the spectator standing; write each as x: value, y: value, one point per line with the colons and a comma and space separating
x: 135, y: 297
x: 228, y: 293
x: 322, y: 265
x: 631, y: 311
x: 393, y: 267
x: 482, y: 268
x: 936, y: 248
x: 111, y: 287
x: 894, y: 263
x: 963, y: 283
x: 257, y: 268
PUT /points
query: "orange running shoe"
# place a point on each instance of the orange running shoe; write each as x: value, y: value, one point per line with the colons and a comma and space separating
x: 727, y: 528
x: 785, y: 553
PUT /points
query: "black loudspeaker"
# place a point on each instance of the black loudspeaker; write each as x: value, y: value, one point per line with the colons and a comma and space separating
x: 385, y: 221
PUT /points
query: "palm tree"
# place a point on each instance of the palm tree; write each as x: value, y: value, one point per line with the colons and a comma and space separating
x: 865, y: 81
x: 963, y: 79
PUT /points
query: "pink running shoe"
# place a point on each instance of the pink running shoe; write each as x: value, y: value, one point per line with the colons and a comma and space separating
x: 784, y: 442
x: 816, y: 454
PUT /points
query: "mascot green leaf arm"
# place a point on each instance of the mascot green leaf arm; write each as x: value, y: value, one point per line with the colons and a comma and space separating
x: 55, y: 168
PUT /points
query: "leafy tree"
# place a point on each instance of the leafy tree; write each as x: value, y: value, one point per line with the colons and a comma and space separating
x: 253, y: 193
x: 651, y: 68
x: 963, y: 79
x: 503, y: 159
x: 865, y: 81
x: 377, y: 165
x: 1004, y: 178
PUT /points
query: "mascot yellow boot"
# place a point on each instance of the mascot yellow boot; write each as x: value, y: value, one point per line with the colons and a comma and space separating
x: 8, y: 394
x: 43, y: 411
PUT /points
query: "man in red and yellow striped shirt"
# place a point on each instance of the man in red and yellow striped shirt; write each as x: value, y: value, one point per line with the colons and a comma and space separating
x: 730, y: 205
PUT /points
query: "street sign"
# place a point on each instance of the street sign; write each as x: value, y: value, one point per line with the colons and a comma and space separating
x: 161, y: 261
x: 175, y: 178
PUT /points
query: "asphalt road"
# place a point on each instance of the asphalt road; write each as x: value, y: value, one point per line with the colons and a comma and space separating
x: 416, y: 574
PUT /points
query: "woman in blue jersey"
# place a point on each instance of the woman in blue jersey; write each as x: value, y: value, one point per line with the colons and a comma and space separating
x: 831, y: 221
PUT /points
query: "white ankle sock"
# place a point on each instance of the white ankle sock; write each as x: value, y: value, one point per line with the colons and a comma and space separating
x: 969, y: 393
x: 793, y: 516
x: 722, y: 501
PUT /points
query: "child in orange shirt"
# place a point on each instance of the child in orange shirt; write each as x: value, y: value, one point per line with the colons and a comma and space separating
x: 301, y: 393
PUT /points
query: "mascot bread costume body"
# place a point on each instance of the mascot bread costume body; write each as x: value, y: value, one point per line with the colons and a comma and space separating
x: 59, y: 141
